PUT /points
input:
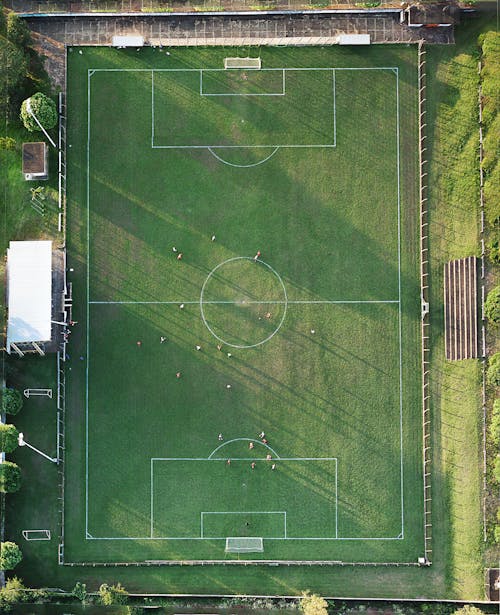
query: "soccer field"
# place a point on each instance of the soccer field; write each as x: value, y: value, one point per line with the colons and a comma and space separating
x: 244, y: 255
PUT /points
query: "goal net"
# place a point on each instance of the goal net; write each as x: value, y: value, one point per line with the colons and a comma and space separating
x: 254, y: 63
x: 36, y: 534
x: 244, y: 545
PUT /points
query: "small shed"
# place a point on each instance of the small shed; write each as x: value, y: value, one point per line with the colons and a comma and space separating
x: 29, y: 295
x: 35, y: 161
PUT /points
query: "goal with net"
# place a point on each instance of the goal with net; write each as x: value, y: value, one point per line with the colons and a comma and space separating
x: 36, y: 534
x: 244, y: 545
x: 254, y: 63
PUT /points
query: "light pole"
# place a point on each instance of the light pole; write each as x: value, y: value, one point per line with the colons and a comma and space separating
x: 30, y: 111
x: 22, y: 442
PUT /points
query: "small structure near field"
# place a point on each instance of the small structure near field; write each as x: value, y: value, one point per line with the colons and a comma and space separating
x: 29, y: 296
x: 35, y: 161
x: 128, y: 41
x: 353, y: 39
x: 460, y: 309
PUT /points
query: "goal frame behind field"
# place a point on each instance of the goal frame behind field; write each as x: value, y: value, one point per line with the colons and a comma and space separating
x: 248, y: 63
x: 240, y: 544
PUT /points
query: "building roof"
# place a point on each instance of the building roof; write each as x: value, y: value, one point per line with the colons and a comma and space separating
x: 29, y: 291
x: 35, y: 158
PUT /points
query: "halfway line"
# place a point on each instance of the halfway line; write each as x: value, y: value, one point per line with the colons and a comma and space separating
x: 243, y: 302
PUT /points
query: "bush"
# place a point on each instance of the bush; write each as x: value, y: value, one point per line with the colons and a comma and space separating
x: 494, y: 428
x: 11, y: 594
x: 492, y: 195
x: 112, y: 594
x: 494, y: 249
x: 311, y: 604
x: 10, y: 555
x: 496, y: 469
x: 7, y: 143
x: 10, y: 477
x: 468, y: 610
x: 493, y: 372
x: 8, y: 438
x: 492, y: 306
x: 12, y: 401
x: 43, y: 107
x: 80, y: 591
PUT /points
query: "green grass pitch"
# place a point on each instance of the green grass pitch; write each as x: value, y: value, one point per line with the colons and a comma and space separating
x: 311, y: 162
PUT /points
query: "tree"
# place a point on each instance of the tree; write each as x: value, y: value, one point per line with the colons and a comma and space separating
x: 44, y: 109
x: 10, y: 555
x: 493, y: 372
x: 311, y: 604
x: 10, y: 594
x: 113, y: 594
x: 468, y: 610
x: 80, y: 591
x: 8, y: 438
x: 17, y: 31
x: 13, y: 70
x: 492, y: 306
x: 10, y: 477
x: 12, y: 401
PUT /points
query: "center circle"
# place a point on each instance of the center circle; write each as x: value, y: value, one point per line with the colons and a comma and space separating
x: 243, y: 302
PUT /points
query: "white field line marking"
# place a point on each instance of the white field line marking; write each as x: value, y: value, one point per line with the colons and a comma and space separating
x: 242, y: 166
x: 88, y: 317
x: 263, y: 301
x: 240, y: 440
x: 147, y: 538
x: 152, y: 108
x: 336, y: 499
x: 222, y: 146
x: 359, y: 538
x: 211, y: 147
x: 210, y: 458
x: 284, y: 301
x: 193, y: 70
x: 334, y: 108
x: 282, y: 93
x: 399, y: 306
x: 241, y: 512
x: 152, y: 494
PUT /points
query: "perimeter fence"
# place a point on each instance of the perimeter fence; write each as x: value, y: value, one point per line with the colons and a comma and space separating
x: 424, y: 288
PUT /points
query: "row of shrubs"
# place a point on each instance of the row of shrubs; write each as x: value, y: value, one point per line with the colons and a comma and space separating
x: 10, y: 480
x: 490, y: 84
x: 10, y: 474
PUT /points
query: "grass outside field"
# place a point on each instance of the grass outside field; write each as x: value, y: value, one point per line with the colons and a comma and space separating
x: 456, y: 571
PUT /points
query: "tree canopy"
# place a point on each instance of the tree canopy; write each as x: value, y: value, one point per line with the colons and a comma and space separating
x: 43, y: 108
x: 311, y: 604
x: 10, y: 477
x: 112, y: 594
x: 492, y: 306
x: 12, y: 401
x: 8, y: 438
x: 10, y: 555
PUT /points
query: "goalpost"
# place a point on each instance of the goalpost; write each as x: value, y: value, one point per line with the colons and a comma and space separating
x: 244, y: 545
x: 36, y: 534
x: 251, y: 63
